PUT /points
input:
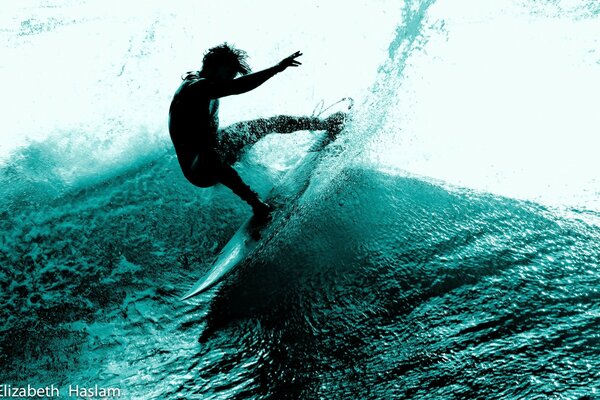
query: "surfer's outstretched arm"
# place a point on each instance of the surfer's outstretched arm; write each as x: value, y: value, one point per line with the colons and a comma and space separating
x: 249, y: 82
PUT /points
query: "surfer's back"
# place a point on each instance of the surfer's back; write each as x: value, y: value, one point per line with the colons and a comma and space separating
x: 193, y: 119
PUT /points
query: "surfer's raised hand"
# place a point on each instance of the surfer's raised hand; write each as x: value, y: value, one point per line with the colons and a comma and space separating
x: 288, y: 62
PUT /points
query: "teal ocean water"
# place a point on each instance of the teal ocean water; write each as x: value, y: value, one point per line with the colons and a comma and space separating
x: 447, y: 247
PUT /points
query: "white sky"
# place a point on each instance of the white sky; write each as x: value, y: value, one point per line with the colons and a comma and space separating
x: 499, y: 99
x: 110, y: 65
x: 502, y: 101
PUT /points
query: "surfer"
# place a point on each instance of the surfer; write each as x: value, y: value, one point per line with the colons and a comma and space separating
x: 205, y: 152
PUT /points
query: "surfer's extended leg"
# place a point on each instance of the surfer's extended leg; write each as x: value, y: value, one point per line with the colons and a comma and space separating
x: 258, y: 128
x: 230, y: 178
x: 235, y: 137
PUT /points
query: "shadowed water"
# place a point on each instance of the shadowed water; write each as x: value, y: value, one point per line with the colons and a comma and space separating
x: 382, y: 286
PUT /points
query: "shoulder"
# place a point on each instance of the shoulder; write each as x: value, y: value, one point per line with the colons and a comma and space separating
x: 191, y: 88
x: 194, y: 83
x: 200, y: 87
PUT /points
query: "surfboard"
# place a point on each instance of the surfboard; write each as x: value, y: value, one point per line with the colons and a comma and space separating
x: 284, y: 200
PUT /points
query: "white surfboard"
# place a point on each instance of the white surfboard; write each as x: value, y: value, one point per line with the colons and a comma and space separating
x: 282, y: 198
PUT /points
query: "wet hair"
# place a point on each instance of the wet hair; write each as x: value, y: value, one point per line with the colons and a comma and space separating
x: 222, y: 55
x: 226, y: 55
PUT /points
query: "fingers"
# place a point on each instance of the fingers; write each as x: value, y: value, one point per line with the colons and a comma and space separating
x: 295, y: 55
x: 294, y: 62
x: 291, y: 60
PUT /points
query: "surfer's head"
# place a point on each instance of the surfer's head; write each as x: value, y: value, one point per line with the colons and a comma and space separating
x: 224, y: 62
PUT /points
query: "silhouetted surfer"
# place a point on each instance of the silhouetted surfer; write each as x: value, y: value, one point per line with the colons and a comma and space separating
x: 205, y: 152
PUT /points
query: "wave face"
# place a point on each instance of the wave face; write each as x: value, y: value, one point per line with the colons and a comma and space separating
x: 447, y: 247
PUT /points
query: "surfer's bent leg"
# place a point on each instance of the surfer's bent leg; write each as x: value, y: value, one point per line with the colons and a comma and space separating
x: 230, y: 178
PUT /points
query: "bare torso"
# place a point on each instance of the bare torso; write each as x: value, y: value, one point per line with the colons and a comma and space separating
x: 193, y: 121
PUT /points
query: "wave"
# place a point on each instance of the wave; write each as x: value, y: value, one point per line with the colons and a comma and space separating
x: 415, y: 266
